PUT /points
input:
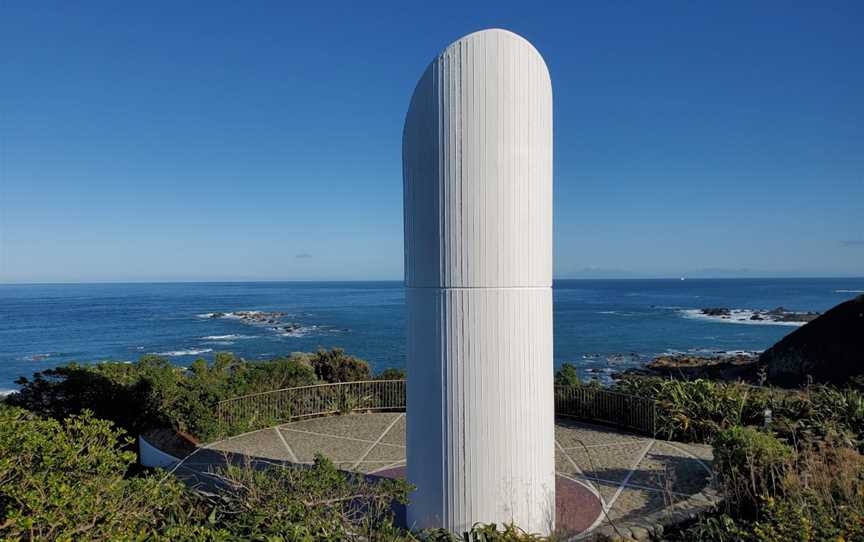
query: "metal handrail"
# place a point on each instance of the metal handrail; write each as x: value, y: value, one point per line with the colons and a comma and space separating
x: 324, y: 385
x: 257, y: 410
x: 261, y: 409
x: 607, y: 407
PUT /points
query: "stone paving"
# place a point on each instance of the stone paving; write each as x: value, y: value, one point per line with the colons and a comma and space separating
x: 640, y: 482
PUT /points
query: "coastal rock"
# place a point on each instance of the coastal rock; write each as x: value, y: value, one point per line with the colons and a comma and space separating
x: 270, y: 320
x: 778, y: 314
x: 830, y: 348
x: 251, y: 317
x: 719, y: 366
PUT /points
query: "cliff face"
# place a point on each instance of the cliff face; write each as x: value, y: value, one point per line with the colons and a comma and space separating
x: 830, y: 348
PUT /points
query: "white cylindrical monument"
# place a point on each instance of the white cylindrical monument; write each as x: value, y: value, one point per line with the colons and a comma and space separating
x: 477, y: 166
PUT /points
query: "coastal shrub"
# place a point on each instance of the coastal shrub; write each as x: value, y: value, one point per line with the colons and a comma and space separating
x: 133, y: 396
x: 696, y: 410
x: 567, y: 375
x: 692, y: 410
x: 775, y: 492
x: 819, y: 413
x: 749, y: 465
x: 153, y: 393
x: 195, y: 413
x: 392, y: 373
x: 485, y: 533
x: 781, y: 521
x: 72, y: 480
x: 335, y: 365
x: 318, y: 503
x: 67, y: 480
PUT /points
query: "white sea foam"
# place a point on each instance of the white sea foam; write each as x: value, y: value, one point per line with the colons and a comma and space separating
x: 737, y: 316
x: 239, y: 315
x: 230, y: 315
x: 4, y: 392
x: 187, y: 352
x: 849, y: 291
x: 301, y: 331
x: 37, y: 357
x: 229, y: 337
x: 711, y: 352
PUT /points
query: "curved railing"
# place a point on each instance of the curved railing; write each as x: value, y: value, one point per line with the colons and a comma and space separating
x: 602, y: 406
x: 258, y: 410
x: 278, y: 406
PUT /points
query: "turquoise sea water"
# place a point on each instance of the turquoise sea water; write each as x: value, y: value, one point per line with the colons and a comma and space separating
x: 601, y: 325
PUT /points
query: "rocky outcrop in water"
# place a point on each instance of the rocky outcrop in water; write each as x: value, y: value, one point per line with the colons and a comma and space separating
x: 829, y: 349
x: 720, y: 366
x: 273, y: 320
x: 780, y: 314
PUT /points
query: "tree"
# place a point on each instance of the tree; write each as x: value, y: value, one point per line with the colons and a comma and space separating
x: 567, y: 375
x: 335, y: 365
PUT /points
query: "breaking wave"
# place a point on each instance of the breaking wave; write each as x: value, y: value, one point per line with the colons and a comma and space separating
x: 187, y: 352
x: 737, y: 316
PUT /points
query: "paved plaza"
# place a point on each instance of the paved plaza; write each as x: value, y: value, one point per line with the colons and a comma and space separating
x: 604, y: 475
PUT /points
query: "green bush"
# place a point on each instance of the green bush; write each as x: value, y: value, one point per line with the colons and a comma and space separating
x: 318, y: 503
x: 133, y: 396
x: 68, y: 481
x: 775, y: 493
x: 567, y: 375
x: 71, y: 480
x: 696, y: 410
x: 779, y: 521
x: 749, y: 465
x: 392, y: 374
x: 335, y: 365
x: 153, y: 393
x: 485, y: 533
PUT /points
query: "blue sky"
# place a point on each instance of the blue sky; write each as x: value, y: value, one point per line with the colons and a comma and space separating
x: 243, y: 141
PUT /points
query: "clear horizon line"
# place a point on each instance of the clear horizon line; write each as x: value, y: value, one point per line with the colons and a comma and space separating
x: 254, y: 281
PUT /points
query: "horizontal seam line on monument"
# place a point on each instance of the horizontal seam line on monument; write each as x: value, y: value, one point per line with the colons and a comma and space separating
x: 478, y: 287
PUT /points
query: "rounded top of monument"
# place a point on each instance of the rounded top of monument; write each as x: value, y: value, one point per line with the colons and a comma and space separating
x: 477, y: 167
x: 489, y: 34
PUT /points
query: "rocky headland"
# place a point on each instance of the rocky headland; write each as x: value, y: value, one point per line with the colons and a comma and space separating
x: 828, y: 349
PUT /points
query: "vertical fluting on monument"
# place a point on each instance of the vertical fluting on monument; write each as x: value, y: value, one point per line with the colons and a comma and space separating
x: 477, y: 170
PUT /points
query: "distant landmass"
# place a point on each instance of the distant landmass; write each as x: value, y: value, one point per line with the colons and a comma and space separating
x: 706, y: 273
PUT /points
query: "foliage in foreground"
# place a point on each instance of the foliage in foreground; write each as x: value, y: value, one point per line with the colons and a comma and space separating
x: 799, y: 477
x: 775, y: 492
x: 153, y: 393
x: 68, y: 481
x: 72, y: 480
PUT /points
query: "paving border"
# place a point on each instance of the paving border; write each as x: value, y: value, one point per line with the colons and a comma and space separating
x: 633, y: 448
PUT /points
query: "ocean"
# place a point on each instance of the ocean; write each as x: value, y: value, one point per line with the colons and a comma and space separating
x: 600, y: 325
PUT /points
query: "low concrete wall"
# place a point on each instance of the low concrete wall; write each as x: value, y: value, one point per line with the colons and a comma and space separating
x: 151, y: 456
